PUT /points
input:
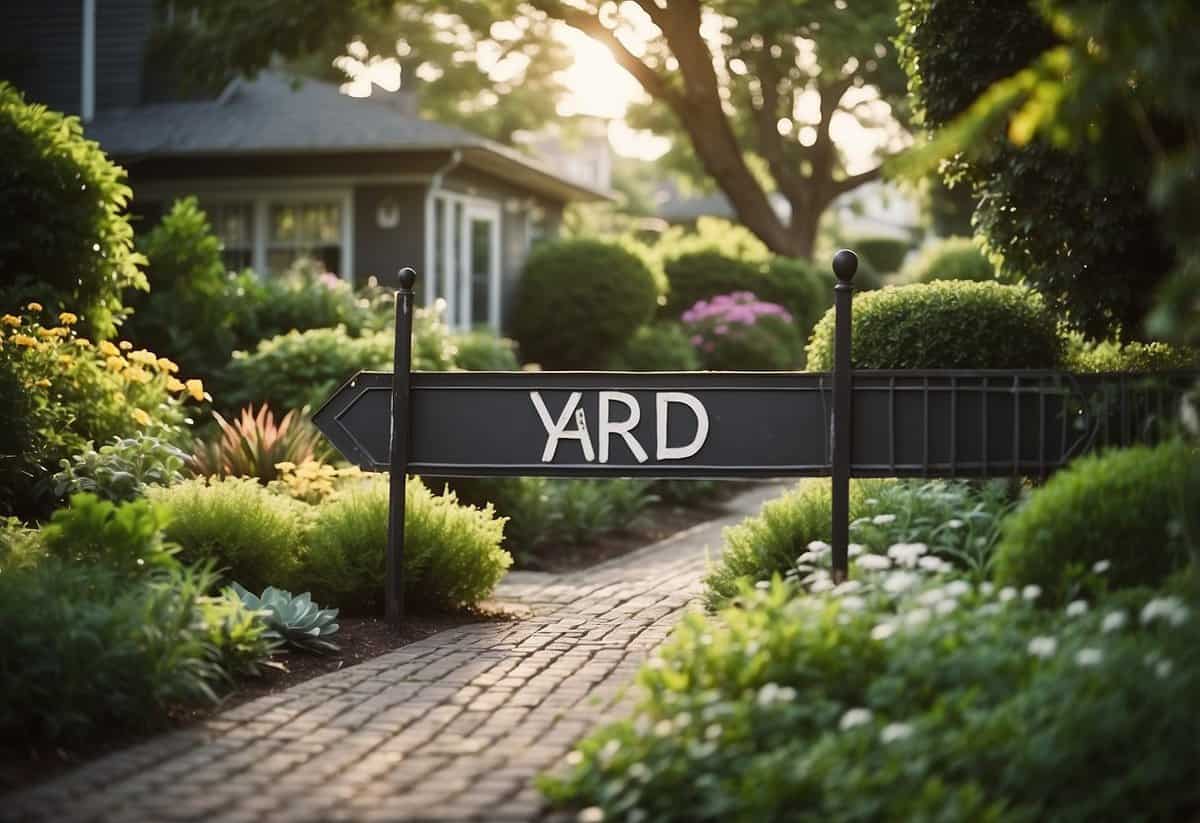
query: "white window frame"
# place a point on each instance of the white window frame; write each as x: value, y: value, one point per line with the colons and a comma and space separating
x: 262, y: 212
x: 458, y: 260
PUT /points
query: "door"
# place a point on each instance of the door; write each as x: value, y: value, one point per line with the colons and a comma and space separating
x: 480, y: 282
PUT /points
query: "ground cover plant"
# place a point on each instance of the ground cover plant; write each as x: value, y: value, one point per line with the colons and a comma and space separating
x: 918, y: 689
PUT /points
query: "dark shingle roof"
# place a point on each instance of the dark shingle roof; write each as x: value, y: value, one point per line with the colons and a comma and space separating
x: 275, y: 113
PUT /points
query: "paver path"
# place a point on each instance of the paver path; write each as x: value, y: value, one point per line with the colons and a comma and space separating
x: 452, y: 727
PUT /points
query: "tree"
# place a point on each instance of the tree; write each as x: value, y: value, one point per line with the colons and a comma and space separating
x: 1065, y: 116
x: 757, y: 91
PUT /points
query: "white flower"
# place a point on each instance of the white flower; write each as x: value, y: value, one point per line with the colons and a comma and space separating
x: 894, y: 731
x: 1170, y: 609
x: 855, y: 549
x: 574, y: 758
x: 1101, y: 566
x: 592, y: 814
x: 873, y: 562
x: 712, y: 732
x: 955, y: 523
x: 664, y: 728
x: 946, y: 606
x: 822, y: 585
x: 1043, y: 646
x: 883, y: 519
x: 819, y: 547
x: 989, y: 609
x: 806, y: 557
x: 872, y: 501
x: 855, y: 717
x: 931, y: 597
x: 1162, y: 669
x: 917, y: 617
x: 883, y: 631
x: 907, y: 554
x: 682, y: 720
x: 986, y: 589
x: 1031, y: 592
x: 936, y: 565
x: 1007, y: 593
x: 610, y: 751
x: 1076, y: 608
x: 1113, y: 622
x: 900, y: 581
x: 957, y: 588
x: 774, y: 693
x: 853, y: 603
x: 1089, y: 657
x: 847, y: 587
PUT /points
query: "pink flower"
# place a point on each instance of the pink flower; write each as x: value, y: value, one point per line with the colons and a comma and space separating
x: 722, y: 329
x: 696, y: 340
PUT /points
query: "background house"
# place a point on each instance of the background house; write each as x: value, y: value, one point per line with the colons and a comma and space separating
x: 289, y: 167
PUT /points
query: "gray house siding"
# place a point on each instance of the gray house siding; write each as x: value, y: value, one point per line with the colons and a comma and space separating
x: 122, y: 30
x: 379, y: 251
x: 41, y: 50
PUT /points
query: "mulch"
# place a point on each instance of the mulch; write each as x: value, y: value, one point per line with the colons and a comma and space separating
x: 359, y: 639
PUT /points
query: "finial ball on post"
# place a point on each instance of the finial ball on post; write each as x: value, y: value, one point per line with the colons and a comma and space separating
x: 845, y: 264
x: 406, y: 278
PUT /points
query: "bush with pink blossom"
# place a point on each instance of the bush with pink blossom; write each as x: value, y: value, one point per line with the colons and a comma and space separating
x: 739, y: 331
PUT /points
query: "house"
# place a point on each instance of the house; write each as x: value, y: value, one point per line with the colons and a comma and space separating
x: 289, y: 167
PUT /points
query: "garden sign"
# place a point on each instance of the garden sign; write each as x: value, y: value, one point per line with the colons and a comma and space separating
x: 727, y: 424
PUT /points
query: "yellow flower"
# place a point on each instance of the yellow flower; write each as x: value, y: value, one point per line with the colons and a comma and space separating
x: 66, y: 359
x: 148, y: 358
x: 137, y: 374
x: 83, y: 342
x: 24, y: 340
x: 44, y: 383
x: 10, y: 320
x: 125, y: 345
x: 115, y: 363
x: 56, y: 331
x: 109, y: 349
x: 195, y: 389
x: 140, y: 416
x: 286, y: 466
x: 166, y: 365
x: 68, y: 319
x: 175, y: 385
x: 34, y: 307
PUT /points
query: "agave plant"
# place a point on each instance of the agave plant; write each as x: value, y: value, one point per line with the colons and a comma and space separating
x: 296, y: 621
x: 254, y: 444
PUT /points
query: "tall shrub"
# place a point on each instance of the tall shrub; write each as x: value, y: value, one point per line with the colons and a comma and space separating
x: 64, y: 238
x: 579, y: 301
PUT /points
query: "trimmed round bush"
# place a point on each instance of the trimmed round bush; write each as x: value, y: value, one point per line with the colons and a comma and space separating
x: 1117, y: 508
x: 700, y: 275
x: 484, y: 351
x: 886, y: 254
x: 64, y: 238
x: 955, y: 258
x: 657, y: 347
x: 1113, y: 356
x: 945, y: 325
x: 254, y: 536
x: 452, y: 554
x: 579, y: 301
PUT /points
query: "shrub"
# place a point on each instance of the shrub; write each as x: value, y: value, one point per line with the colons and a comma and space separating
x: 193, y: 305
x: 121, y: 470
x: 906, y: 699
x: 484, y: 351
x: 20, y: 546
x: 312, y: 481
x: 657, y: 347
x: 739, y: 331
x: 255, y: 446
x: 452, y: 554
x: 302, y: 298
x: 579, y: 301
x: 73, y: 392
x: 945, y: 325
x: 86, y: 651
x: 125, y: 537
x: 1115, y: 508
x: 801, y: 287
x: 301, y: 369
x: 955, y: 258
x: 1114, y: 356
x: 250, y: 534
x: 64, y: 237
x: 701, y: 275
x: 886, y: 254
x: 711, y: 234
x: 768, y: 543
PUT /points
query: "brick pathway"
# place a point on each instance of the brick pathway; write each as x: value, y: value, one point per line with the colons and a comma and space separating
x: 453, y: 727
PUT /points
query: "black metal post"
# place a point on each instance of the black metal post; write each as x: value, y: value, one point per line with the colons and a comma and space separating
x: 401, y: 407
x: 845, y: 264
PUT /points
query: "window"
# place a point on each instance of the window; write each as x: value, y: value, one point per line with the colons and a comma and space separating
x: 233, y: 223
x: 304, y: 229
x: 463, y: 253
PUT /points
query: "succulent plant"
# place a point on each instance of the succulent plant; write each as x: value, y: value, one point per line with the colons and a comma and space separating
x: 296, y: 621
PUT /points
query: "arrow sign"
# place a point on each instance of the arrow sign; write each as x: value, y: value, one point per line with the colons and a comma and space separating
x: 593, y: 424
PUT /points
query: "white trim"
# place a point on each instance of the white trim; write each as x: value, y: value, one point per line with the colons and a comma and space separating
x: 87, y: 80
x: 457, y: 257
